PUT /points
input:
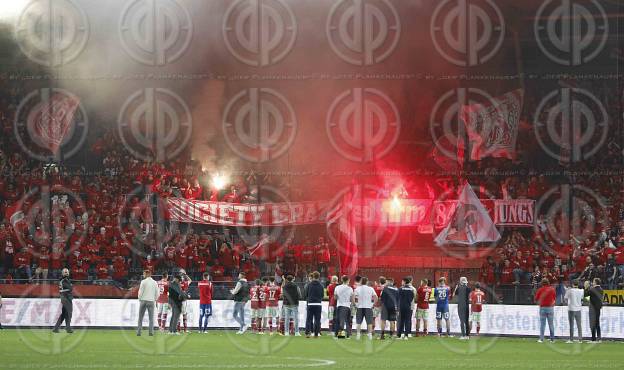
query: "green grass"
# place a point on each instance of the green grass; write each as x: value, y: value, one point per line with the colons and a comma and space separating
x: 122, y: 349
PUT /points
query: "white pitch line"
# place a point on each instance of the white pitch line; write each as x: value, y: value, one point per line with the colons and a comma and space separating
x: 316, y: 363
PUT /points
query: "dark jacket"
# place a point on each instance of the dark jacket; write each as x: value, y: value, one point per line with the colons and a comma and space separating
x: 390, y: 297
x: 406, y: 297
x: 243, y: 293
x: 175, y: 294
x: 290, y: 294
x: 462, y: 292
x: 314, y: 292
x: 65, y: 288
x: 595, y: 295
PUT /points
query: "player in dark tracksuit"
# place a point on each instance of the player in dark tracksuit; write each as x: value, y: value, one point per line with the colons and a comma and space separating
x: 65, y: 291
x: 406, y: 299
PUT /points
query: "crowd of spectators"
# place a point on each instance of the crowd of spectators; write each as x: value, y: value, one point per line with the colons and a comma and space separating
x: 100, y: 217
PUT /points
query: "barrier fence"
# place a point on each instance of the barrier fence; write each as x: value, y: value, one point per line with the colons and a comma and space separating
x: 496, y: 319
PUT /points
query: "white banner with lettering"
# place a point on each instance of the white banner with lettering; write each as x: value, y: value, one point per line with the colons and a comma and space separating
x: 123, y: 313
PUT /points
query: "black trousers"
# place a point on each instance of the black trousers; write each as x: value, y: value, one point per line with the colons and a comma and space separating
x: 313, y: 320
x: 462, y: 312
x: 176, y: 309
x: 66, y: 314
x: 594, y: 322
x: 405, y: 322
x: 342, y: 319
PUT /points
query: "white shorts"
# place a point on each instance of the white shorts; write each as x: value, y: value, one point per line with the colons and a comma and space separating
x: 257, y: 313
x: 184, y: 307
x: 330, y: 312
x: 422, y: 313
x: 271, y: 312
x: 475, y: 316
x: 162, y: 308
x: 376, y: 311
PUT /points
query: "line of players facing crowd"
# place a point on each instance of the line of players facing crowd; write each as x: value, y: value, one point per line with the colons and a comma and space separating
x: 360, y: 299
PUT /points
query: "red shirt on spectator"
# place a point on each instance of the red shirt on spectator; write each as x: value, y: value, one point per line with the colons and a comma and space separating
x: 120, y: 270
x: 44, y: 259
x: 202, y: 265
x: 507, y: 276
x: 322, y: 253
x: 182, y: 258
x: 487, y: 273
x: 307, y: 254
x: 21, y: 259
x: 619, y: 255
x: 169, y: 253
x: 149, y: 264
x: 546, y: 296
x: 102, y: 270
x: 225, y: 257
x: 57, y: 259
x: 79, y: 272
x: 217, y: 271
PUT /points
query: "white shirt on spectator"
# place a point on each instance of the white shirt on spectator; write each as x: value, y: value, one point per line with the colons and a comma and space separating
x: 148, y: 290
x: 574, y: 296
x: 364, y: 296
x: 343, y: 295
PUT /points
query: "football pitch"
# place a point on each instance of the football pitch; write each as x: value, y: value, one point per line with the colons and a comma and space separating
x: 122, y: 349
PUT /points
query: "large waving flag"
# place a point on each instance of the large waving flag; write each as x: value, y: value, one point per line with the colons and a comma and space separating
x: 470, y: 223
x: 342, y: 216
x: 493, y: 128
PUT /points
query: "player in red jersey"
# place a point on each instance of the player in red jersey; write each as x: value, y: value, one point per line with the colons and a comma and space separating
x: 332, y: 302
x: 477, y: 299
x: 378, y: 287
x: 262, y: 305
x: 422, y: 306
x: 274, y: 292
x: 254, y: 294
x: 163, y: 301
x: 185, y: 283
x: 205, y: 302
